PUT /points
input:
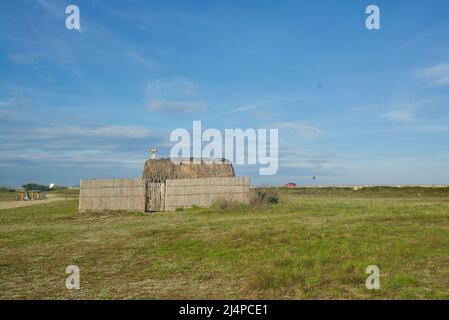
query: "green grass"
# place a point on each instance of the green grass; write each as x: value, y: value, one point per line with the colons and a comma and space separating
x: 5, y: 195
x: 316, y: 243
x: 63, y: 192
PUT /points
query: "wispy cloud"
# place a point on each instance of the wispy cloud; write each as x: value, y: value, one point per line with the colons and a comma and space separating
x: 252, y: 106
x: 303, y: 129
x: 109, y: 147
x: 177, y: 106
x: 437, y: 76
x: 73, y: 157
x: 53, y: 8
x: 174, y: 96
x: 405, y: 110
x: 7, y: 102
x: 135, y: 132
x: 429, y: 128
x: 22, y: 58
x: 144, y: 61
x: 237, y: 110
x: 172, y: 88
x: 293, y: 163
x: 402, y: 115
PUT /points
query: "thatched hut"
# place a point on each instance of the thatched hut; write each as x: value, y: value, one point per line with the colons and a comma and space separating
x: 159, y: 170
x: 167, y: 184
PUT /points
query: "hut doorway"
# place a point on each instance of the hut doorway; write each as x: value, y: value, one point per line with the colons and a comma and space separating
x: 155, y: 197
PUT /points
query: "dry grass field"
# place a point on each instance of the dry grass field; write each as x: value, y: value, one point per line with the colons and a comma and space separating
x: 313, y: 244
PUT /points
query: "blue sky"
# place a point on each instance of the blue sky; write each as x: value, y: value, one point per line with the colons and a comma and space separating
x: 353, y: 106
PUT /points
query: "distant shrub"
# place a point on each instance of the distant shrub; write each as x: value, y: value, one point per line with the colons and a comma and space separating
x: 264, y: 197
x: 225, y: 204
x: 35, y: 186
x: 259, y: 198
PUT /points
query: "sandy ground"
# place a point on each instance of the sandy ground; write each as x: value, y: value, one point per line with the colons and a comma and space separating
x: 17, y: 204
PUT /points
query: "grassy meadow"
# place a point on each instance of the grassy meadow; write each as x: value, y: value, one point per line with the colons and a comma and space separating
x: 6, y: 195
x: 313, y: 244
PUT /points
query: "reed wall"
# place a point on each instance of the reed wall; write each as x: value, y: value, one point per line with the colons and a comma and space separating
x: 203, y: 192
x: 138, y: 195
x: 112, y: 194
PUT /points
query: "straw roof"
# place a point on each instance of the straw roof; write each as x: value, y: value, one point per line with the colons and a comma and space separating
x: 158, y: 170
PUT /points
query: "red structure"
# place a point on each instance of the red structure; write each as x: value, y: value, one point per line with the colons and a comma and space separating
x: 291, y: 185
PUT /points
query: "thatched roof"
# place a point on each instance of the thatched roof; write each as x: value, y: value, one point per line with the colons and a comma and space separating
x: 158, y: 170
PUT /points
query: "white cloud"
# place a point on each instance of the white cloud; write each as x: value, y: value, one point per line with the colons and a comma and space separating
x: 171, y: 88
x: 402, y: 115
x: 22, y: 58
x: 174, y: 96
x: 429, y: 128
x: 407, y: 110
x: 54, y: 8
x: 74, y: 157
x: 142, y: 60
x: 113, y: 148
x: 437, y: 76
x: 304, y: 129
x: 310, y: 164
x: 177, y: 106
x: 135, y: 132
x: 7, y: 102
x: 237, y: 110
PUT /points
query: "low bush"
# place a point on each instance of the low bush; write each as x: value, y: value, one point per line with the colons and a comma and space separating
x: 224, y: 204
x: 264, y: 197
